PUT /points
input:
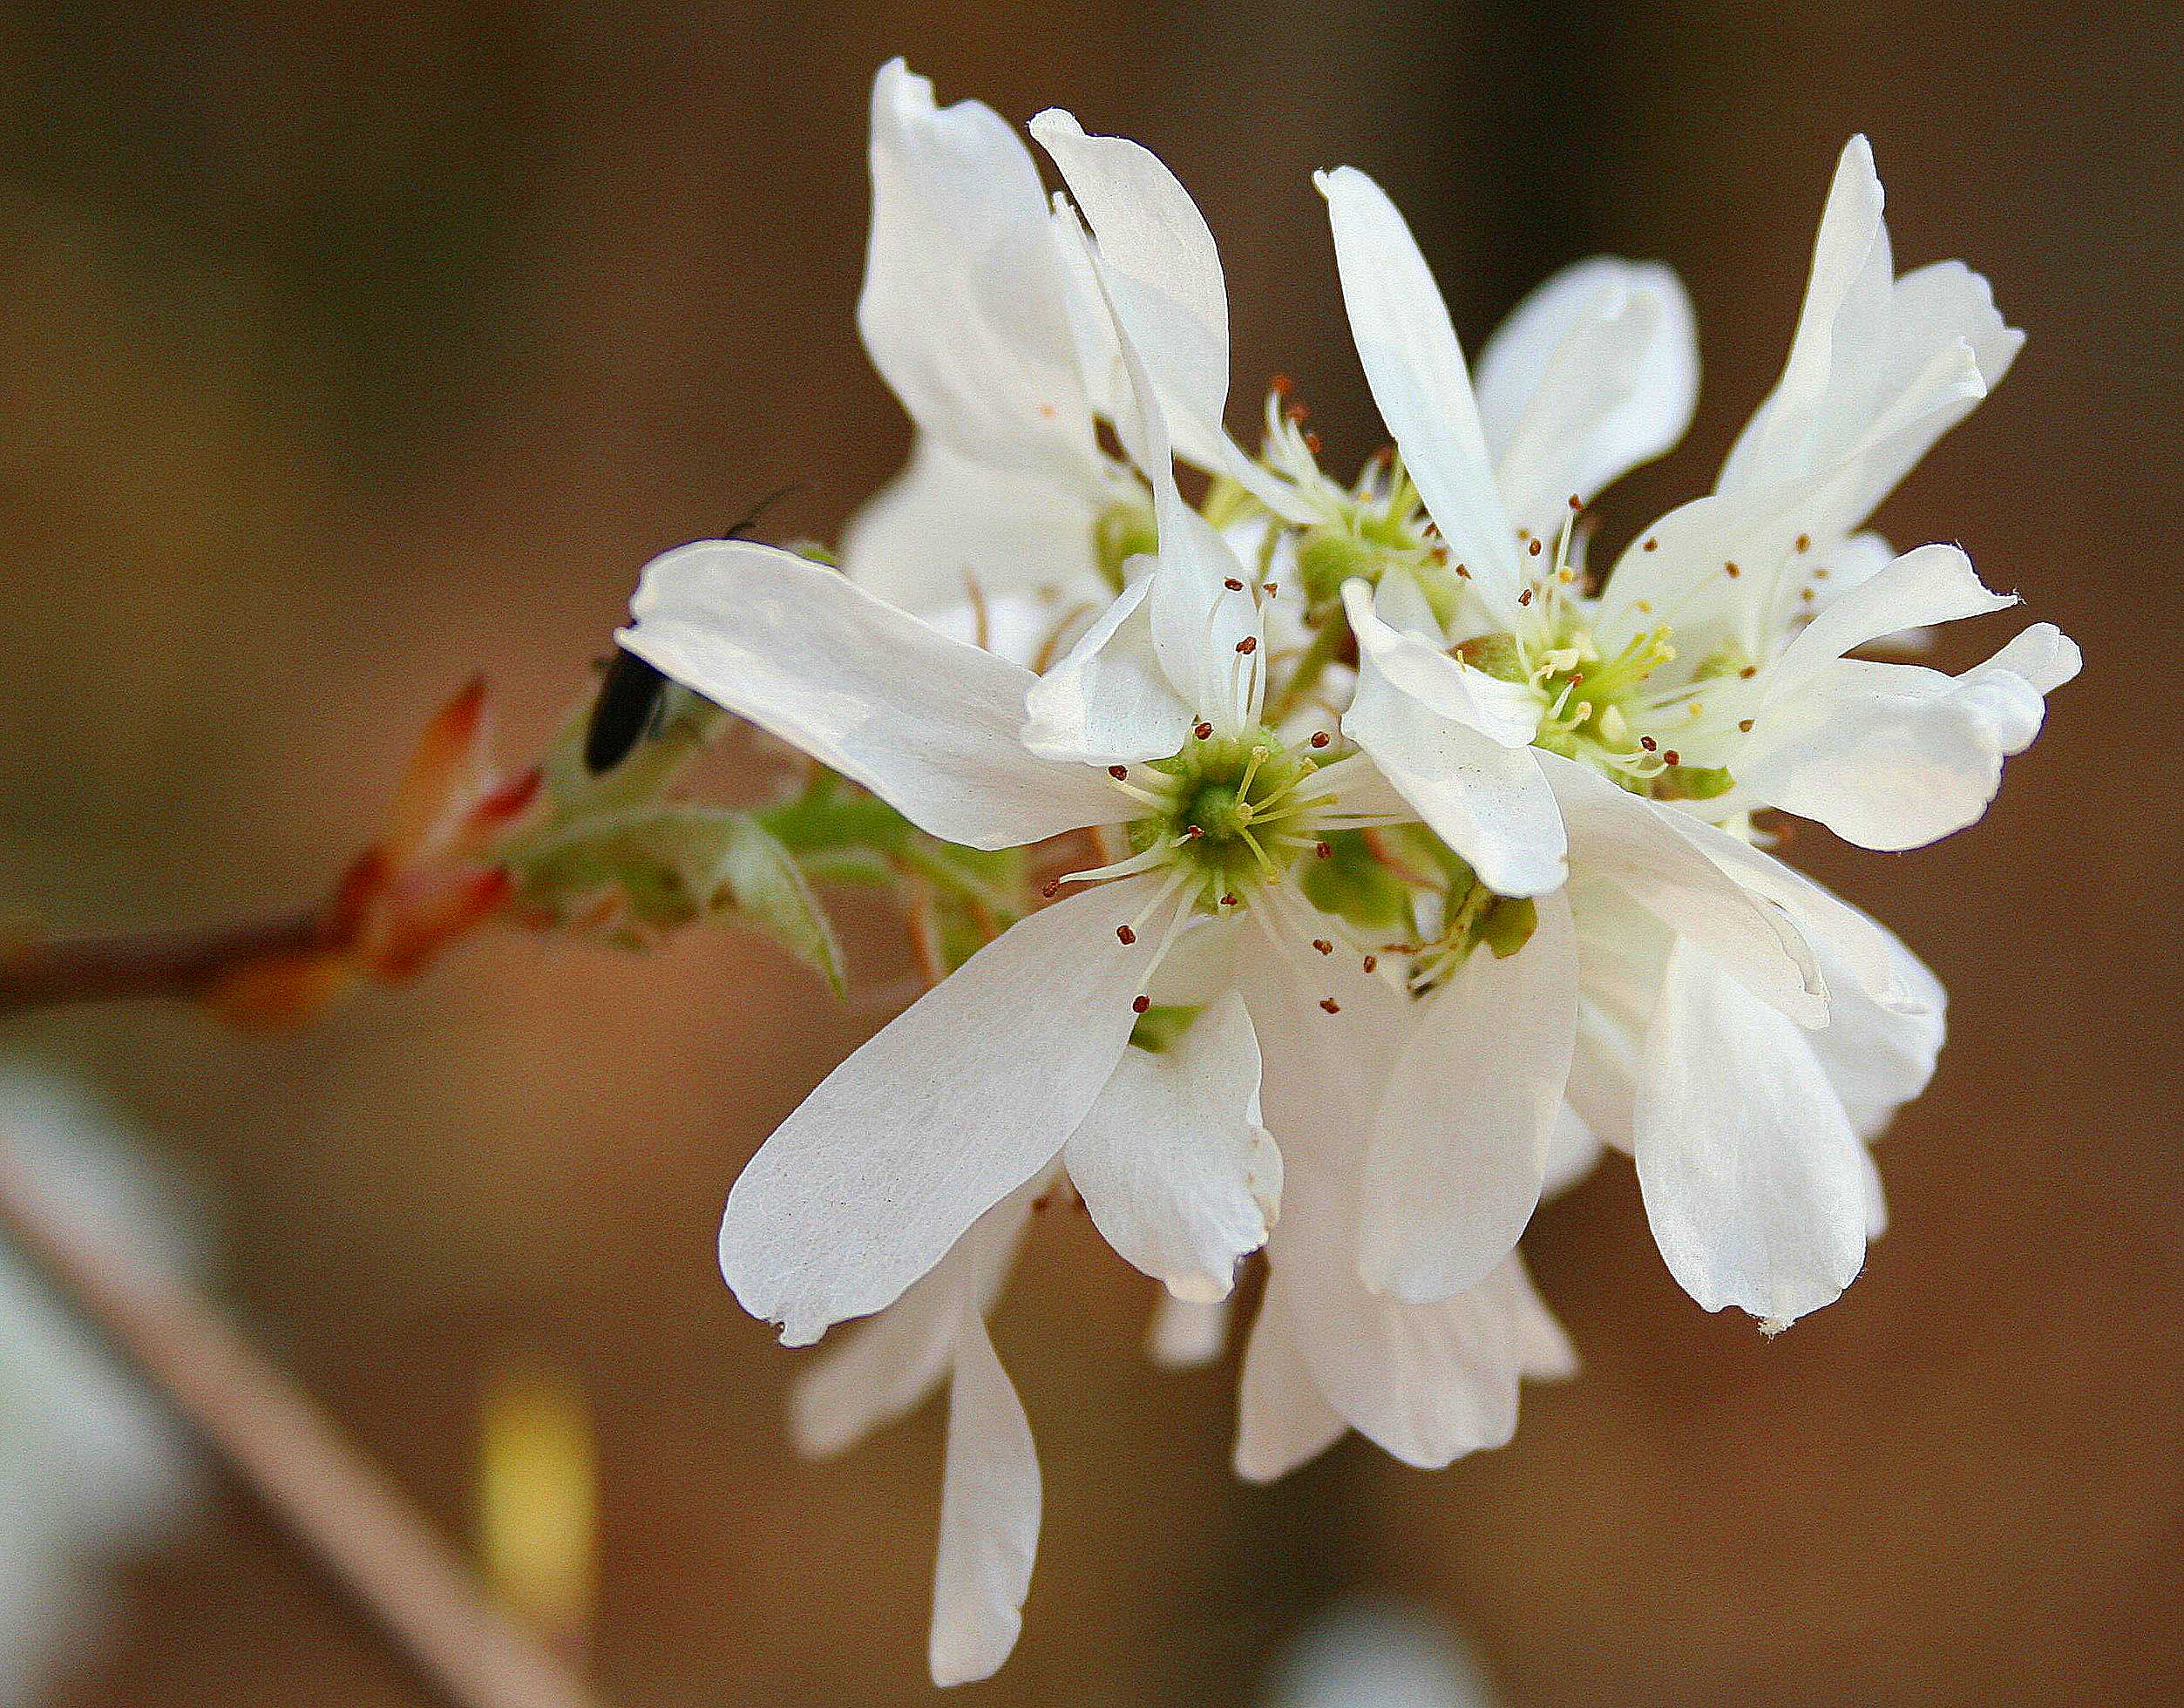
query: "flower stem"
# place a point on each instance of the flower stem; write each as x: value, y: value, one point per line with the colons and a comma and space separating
x: 372, y: 1540
x: 178, y: 963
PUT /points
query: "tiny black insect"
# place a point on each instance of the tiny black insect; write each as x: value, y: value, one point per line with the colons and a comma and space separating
x: 633, y: 695
x: 631, y: 698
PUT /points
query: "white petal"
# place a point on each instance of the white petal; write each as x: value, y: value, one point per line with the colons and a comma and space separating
x: 1416, y: 369
x: 1573, y: 1151
x: 1173, y: 1163
x: 1754, y: 1182
x: 1358, y: 786
x: 1644, y: 849
x: 1542, y: 1349
x: 1853, y: 950
x: 1186, y: 1333
x: 1935, y: 584
x: 931, y: 725
x: 1488, y: 802
x: 1876, y: 1201
x: 1887, y: 1014
x: 1427, y: 1382
x: 1507, y: 714
x: 1107, y: 702
x: 962, y: 308
x: 1202, y: 612
x: 1164, y: 274
x: 1851, y: 278
x: 884, y: 1367
x: 946, y: 526
x: 1880, y: 1057
x: 1865, y: 341
x: 1677, y: 563
x: 1207, y: 634
x: 1459, y: 1153
x: 965, y: 1096
x: 1593, y: 374
x: 1894, y: 755
x: 1282, y: 1419
x: 989, y: 1517
x: 2043, y: 657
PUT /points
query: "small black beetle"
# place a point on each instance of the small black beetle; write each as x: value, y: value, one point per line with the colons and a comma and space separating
x: 633, y: 694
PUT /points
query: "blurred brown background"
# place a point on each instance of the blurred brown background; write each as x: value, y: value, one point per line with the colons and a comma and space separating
x: 345, y: 350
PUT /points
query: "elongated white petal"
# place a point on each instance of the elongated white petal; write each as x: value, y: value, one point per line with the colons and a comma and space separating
x: 1543, y: 1350
x: 1282, y: 1419
x: 1573, y: 1149
x: 962, y: 309
x: 1407, y: 346
x: 990, y: 1516
x: 1173, y: 1161
x: 1205, y: 623
x: 885, y: 1366
x: 1426, y: 1382
x: 1107, y: 702
x: 1853, y: 949
x: 1935, y: 584
x: 1754, y: 1182
x: 1507, y: 714
x: 1208, y: 635
x: 1186, y: 1333
x: 1459, y: 1152
x: 1488, y: 802
x: 1894, y: 755
x: 931, y: 725
x: 1164, y: 276
x: 1878, y: 1058
x: 1678, y: 564
x: 965, y: 1096
x: 947, y: 527
x: 1593, y: 374
x: 1865, y: 341
x: 1639, y: 846
x: 1845, y: 303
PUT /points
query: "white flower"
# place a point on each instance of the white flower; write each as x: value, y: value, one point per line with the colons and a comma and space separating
x: 978, y: 311
x: 1700, y: 670
x: 974, y: 1092
x: 1548, y: 733
x: 903, y: 1183
x: 90, y: 1471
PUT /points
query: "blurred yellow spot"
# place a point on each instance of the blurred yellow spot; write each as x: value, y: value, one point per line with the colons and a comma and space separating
x: 537, y: 1500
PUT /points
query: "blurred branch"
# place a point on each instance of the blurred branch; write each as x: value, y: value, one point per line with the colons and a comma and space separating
x: 180, y: 963
x: 380, y: 1547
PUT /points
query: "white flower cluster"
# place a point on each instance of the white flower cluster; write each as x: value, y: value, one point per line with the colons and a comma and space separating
x: 1400, y: 860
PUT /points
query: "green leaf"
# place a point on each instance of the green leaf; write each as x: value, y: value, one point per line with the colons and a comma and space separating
x: 760, y: 879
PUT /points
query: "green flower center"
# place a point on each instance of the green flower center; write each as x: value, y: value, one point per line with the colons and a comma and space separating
x: 1229, y: 810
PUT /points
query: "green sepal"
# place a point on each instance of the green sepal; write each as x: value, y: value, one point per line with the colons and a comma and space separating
x: 760, y: 882
x: 1693, y: 782
x: 1354, y: 886
x: 1161, y: 1028
x: 1508, y: 925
